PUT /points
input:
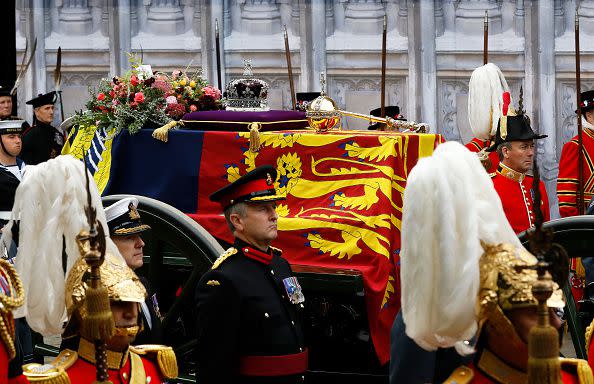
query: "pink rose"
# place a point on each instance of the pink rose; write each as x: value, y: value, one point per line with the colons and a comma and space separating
x: 171, y: 100
x: 193, y: 108
x: 212, y: 92
x: 134, y: 80
x: 101, y: 96
x: 133, y: 104
x: 139, y: 97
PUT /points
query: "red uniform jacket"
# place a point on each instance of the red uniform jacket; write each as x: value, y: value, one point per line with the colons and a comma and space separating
x: 475, y: 145
x: 84, y: 372
x: 493, y: 370
x: 515, y: 191
x: 567, y: 183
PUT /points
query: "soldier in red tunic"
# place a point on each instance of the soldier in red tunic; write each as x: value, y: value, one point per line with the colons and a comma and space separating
x: 485, y: 101
x: 567, y: 190
x: 11, y: 297
x: 567, y: 183
x: 515, y: 146
x: 91, y: 297
x: 470, y: 286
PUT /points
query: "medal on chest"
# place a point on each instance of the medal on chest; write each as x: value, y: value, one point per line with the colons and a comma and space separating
x: 294, y: 292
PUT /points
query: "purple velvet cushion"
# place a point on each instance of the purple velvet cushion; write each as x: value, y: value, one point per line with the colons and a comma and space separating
x: 240, y: 121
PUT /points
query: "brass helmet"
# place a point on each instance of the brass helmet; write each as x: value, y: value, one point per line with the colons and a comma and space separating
x: 504, y: 286
x: 121, y: 282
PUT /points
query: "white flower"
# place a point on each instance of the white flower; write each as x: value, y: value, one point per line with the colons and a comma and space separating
x: 171, y: 100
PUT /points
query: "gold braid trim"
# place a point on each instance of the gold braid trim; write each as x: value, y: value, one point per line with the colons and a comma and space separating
x: 8, y: 302
x: 589, y: 331
x: 229, y: 252
x: 581, y: 369
x: 165, y: 358
x: 125, y: 231
x: 53, y: 373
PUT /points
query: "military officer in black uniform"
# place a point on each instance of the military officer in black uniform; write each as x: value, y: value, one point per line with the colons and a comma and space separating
x: 11, y: 166
x: 249, y: 303
x: 42, y: 141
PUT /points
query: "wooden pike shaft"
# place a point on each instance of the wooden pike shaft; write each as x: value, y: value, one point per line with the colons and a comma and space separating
x: 383, y: 80
x: 218, y: 52
x: 290, y: 69
x: 580, y: 194
x: 486, y: 39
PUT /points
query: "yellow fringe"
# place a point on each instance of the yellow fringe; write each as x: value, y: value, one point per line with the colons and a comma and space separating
x: 162, y: 133
x: 98, y: 323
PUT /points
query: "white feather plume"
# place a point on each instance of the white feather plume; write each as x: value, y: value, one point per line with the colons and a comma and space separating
x: 485, y: 96
x: 50, y: 203
x: 450, y: 204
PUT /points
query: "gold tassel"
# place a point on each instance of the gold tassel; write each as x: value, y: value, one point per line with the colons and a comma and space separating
x: 255, y: 136
x: 544, y: 366
x: 167, y: 363
x: 98, y: 324
x: 162, y: 133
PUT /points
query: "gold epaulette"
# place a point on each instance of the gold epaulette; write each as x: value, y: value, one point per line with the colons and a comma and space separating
x: 54, y: 372
x: 277, y: 250
x: 462, y: 375
x: 162, y: 354
x: 580, y: 368
x: 492, y: 174
x: 589, y: 331
x: 229, y: 252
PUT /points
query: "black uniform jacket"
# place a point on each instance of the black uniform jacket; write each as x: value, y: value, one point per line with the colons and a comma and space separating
x: 154, y: 334
x: 41, y: 142
x: 8, y: 185
x: 245, y: 317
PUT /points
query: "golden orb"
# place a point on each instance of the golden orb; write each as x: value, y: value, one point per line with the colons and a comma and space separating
x: 323, y: 114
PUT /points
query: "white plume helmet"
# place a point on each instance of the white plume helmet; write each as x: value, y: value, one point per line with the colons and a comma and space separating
x: 50, y: 202
x: 485, y: 100
x: 450, y: 205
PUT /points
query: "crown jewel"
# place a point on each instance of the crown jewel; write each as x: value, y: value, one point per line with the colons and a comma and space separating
x: 247, y: 93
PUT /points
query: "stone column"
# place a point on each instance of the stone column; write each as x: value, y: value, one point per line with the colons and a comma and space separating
x: 208, y: 54
x: 470, y: 15
x: 121, y: 42
x: 75, y: 18
x: 165, y: 18
x: 261, y: 17
x: 428, y: 64
x: 318, y: 44
x: 339, y: 9
x: 559, y: 18
x: 363, y: 17
x: 519, y: 15
x: 402, y: 19
x: 38, y: 64
x: 546, y: 106
x: 414, y: 58
x: 586, y: 14
x: 295, y: 24
x: 197, y: 18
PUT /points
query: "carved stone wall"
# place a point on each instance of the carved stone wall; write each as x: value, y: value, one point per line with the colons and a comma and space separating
x: 432, y: 47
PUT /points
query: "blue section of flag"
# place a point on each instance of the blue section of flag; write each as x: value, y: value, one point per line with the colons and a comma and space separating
x: 142, y: 165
